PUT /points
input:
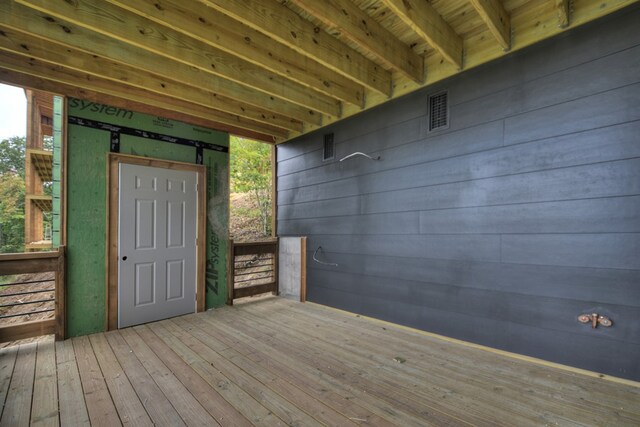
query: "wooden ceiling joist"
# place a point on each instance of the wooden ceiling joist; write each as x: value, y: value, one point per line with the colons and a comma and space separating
x: 425, y: 21
x: 287, y: 27
x: 58, y: 73
x: 126, y: 27
x: 36, y: 23
x: 220, y: 31
x: 497, y: 19
x: 265, y: 69
x: 33, y: 82
x: 54, y: 53
x: 562, y: 6
x: 353, y: 23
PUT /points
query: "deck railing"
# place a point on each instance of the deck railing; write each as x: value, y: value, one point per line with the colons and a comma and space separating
x: 33, y: 285
x: 253, y: 268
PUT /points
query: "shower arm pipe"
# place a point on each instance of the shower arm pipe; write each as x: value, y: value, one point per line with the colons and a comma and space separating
x: 359, y: 153
x: 332, y: 264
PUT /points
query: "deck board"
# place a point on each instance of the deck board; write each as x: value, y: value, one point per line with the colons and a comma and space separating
x: 153, y: 399
x: 17, y: 410
x: 71, y: 403
x: 277, y: 362
x: 44, y: 409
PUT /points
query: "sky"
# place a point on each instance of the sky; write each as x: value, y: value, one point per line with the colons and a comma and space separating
x: 13, y: 112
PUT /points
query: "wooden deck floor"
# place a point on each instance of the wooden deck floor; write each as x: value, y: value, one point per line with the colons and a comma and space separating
x: 276, y: 362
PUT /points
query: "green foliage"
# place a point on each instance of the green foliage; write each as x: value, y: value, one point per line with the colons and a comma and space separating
x: 12, y: 153
x: 11, y: 212
x: 251, y: 173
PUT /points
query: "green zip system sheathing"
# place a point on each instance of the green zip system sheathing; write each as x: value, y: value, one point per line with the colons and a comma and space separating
x: 87, y: 203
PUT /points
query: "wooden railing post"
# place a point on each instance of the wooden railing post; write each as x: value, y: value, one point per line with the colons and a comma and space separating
x: 230, y: 272
x: 276, y: 265
x: 61, y: 289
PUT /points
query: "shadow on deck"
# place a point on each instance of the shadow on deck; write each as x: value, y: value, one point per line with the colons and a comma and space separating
x: 276, y: 362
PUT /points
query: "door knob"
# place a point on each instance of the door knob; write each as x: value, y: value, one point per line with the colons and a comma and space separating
x: 124, y: 258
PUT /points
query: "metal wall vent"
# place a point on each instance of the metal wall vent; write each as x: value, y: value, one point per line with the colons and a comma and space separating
x: 328, y: 152
x: 439, y: 111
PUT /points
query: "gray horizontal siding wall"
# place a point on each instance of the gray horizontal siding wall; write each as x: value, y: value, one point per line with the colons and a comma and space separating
x: 504, y: 227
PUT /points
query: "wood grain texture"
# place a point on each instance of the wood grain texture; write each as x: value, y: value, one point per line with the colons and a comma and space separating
x: 274, y: 361
x: 422, y: 18
x: 304, y: 37
x: 349, y: 21
x: 163, y: 41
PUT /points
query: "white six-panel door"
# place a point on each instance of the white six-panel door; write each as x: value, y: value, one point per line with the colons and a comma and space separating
x: 156, y: 244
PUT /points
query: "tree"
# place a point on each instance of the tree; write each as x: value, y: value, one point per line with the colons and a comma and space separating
x: 12, y: 152
x: 11, y: 212
x: 251, y: 173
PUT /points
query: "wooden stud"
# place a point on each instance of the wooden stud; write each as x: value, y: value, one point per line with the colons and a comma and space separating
x: 497, y: 19
x: 425, y: 21
x: 352, y: 22
x: 284, y: 25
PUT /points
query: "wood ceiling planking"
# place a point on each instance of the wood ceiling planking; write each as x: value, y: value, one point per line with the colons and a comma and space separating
x: 271, y: 69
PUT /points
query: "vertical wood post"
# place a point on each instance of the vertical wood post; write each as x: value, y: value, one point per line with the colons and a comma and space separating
x: 276, y: 265
x: 303, y: 269
x: 231, y: 262
x: 61, y: 288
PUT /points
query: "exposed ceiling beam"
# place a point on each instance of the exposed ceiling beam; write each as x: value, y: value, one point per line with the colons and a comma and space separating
x: 287, y: 27
x: 126, y: 27
x: 352, y: 22
x: 425, y: 21
x: 44, y: 26
x: 57, y: 73
x: 38, y: 83
x: 24, y: 44
x: 218, y: 30
x: 497, y: 19
x: 562, y: 6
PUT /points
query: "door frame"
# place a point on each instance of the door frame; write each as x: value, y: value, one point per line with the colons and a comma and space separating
x: 113, y: 205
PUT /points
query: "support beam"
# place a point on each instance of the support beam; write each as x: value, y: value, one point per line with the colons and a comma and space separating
x: 222, y: 32
x: 563, y: 8
x: 34, y: 67
x: 33, y: 22
x: 125, y: 27
x: 497, y: 19
x: 24, y: 44
x: 32, y: 82
x: 425, y: 21
x: 352, y: 22
x: 284, y: 25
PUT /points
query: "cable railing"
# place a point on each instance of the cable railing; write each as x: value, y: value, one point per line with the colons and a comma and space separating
x: 253, y: 268
x: 32, y: 295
